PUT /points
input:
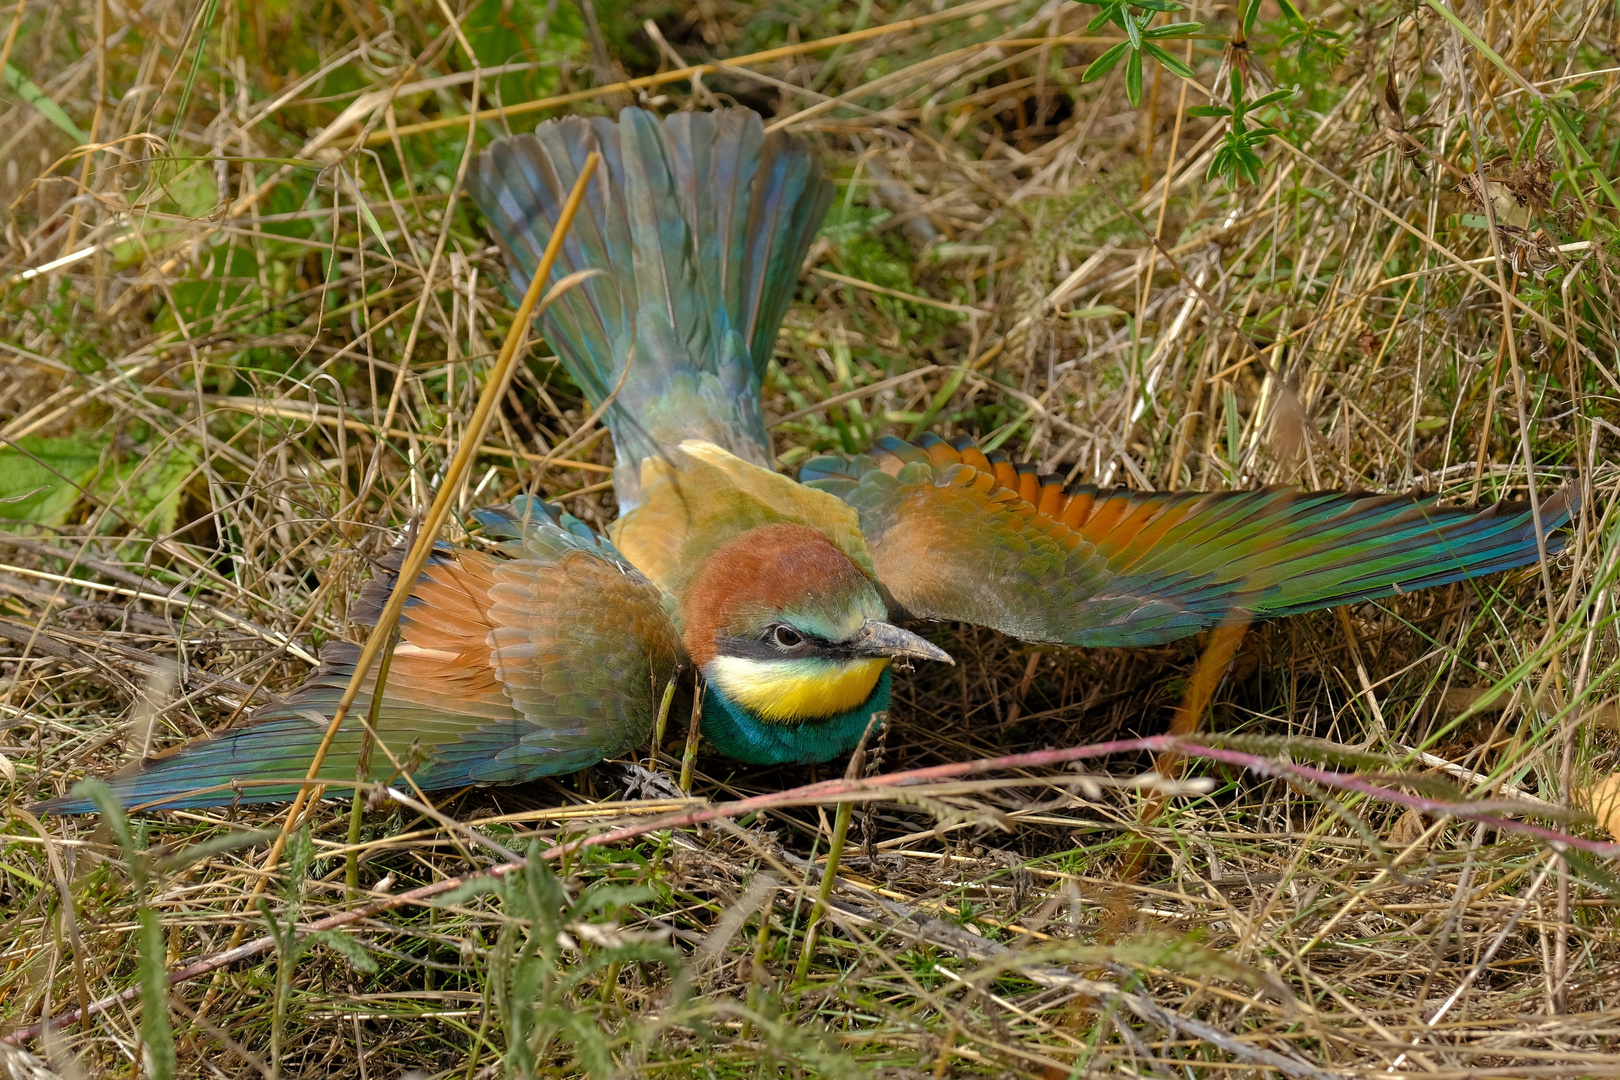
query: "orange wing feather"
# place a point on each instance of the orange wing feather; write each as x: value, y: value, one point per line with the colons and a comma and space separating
x: 959, y: 535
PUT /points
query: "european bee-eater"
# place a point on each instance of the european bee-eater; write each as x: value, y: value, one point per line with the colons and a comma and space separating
x: 549, y: 648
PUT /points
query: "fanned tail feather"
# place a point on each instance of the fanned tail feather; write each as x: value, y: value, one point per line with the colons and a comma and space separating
x: 699, y: 224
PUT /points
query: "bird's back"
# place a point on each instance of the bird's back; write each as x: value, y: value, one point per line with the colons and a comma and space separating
x: 696, y: 226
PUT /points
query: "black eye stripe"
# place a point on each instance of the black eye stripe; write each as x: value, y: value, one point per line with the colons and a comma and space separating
x: 765, y: 646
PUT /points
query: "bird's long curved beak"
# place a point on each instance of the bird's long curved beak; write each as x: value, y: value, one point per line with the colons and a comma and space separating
x: 885, y: 639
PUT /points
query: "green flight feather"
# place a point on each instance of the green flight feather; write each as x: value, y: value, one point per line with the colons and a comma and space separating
x: 959, y: 536
x: 699, y: 224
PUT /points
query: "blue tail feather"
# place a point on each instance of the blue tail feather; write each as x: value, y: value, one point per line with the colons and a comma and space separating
x: 699, y: 222
x: 790, y: 198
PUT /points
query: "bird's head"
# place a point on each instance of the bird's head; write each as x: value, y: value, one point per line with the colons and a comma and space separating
x: 787, y: 626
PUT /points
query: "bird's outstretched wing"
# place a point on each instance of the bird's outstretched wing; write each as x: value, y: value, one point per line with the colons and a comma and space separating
x: 957, y: 536
x: 539, y: 658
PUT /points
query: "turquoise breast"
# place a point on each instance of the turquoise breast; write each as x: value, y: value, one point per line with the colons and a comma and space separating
x: 738, y: 733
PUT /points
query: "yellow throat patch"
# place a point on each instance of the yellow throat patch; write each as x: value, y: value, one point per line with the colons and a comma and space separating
x: 788, y: 691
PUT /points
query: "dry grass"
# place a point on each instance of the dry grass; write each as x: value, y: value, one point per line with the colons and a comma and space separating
x: 282, y: 325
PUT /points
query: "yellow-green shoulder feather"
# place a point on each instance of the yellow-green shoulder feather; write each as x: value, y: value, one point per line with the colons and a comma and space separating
x: 692, y: 505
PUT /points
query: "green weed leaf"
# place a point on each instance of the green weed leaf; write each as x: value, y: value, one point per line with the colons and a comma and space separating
x: 1251, y: 13
x: 145, y: 493
x: 30, y: 92
x: 1274, y: 96
x: 208, y: 849
x: 350, y: 948
x: 1168, y: 60
x: 41, y: 479
x: 371, y: 221
x: 1104, y: 63
x: 157, y: 1035
x: 112, y: 814
x: 1170, y: 30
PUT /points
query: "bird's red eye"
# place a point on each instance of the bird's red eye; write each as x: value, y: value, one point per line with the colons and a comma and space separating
x: 787, y: 637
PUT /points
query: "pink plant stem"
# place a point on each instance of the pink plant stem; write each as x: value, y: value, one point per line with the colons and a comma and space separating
x: 838, y: 790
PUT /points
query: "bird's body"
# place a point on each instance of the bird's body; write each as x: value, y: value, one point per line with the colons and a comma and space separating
x: 551, y: 648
